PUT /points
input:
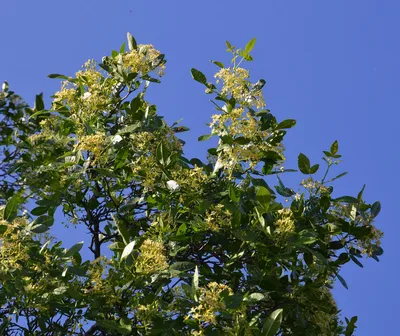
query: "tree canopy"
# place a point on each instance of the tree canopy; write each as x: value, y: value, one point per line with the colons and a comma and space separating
x: 177, y: 245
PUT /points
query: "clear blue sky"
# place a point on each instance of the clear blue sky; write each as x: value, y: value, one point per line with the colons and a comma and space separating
x: 332, y: 65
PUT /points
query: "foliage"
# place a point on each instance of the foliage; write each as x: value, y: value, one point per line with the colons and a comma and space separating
x: 177, y: 246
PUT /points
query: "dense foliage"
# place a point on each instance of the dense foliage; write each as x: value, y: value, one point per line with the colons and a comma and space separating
x: 177, y: 246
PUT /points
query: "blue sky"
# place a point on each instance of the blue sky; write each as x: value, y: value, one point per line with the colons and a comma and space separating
x: 332, y: 65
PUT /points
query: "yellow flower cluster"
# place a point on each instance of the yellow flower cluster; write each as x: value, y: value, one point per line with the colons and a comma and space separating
x: 284, y: 225
x: 145, y: 313
x: 210, y: 303
x: 235, y: 83
x: 96, y: 98
x: 237, y: 124
x: 144, y: 162
x: 319, y: 318
x: 152, y: 257
x: 314, y: 186
x: 143, y: 60
x: 95, y: 143
x: 217, y: 217
x: 13, y: 251
x: 369, y: 242
x: 189, y: 179
x: 100, y: 282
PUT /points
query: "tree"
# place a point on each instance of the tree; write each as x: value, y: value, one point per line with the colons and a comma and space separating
x: 177, y: 246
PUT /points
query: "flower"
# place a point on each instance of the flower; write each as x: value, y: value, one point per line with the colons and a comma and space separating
x: 86, y: 95
x: 117, y: 138
x: 173, y: 186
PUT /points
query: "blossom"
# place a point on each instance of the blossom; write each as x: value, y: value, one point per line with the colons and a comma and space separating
x: 173, y: 186
x: 152, y: 257
x: 117, y: 138
x: 86, y: 95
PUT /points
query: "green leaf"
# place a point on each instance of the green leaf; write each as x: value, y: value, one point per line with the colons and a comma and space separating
x: 229, y: 46
x: 375, y: 209
x: 74, y: 249
x: 195, y: 282
x: 339, y: 176
x: 221, y: 65
x: 126, y: 324
x: 128, y: 250
x: 204, y: 137
x: 250, y: 45
x: 180, y: 129
x: 233, y: 301
x: 334, y: 148
x: 306, y: 237
x: 39, y: 104
x: 113, y: 326
x: 351, y: 326
x: 182, y: 230
x: 11, y: 209
x: 39, y: 228
x: 272, y: 323
x: 162, y: 153
x: 44, y: 220
x: 198, y: 76
x: 132, y: 45
x: 121, y: 158
x: 263, y: 196
x: 304, y: 163
x: 39, y: 211
x: 356, y: 261
x: 58, y: 76
x: 288, y: 123
x: 60, y: 290
x: 346, y: 199
x: 122, y: 48
x: 314, y: 169
x: 182, y: 266
x: 116, y: 246
x: 342, y: 281
x: 254, y: 297
x: 123, y: 231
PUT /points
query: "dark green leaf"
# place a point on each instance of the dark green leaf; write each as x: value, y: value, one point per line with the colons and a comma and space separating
x: 346, y: 199
x: 11, y: 209
x: 242, y: 140
x: 263, y: 196
x: 288, y: 123
x: 182, y: 266
x: 356, y: 261
x: 162, y: 153
x: 334, y: 148
x: 199, y: 76
x: 218, y: 64
x: 39, y: 104
x: 233, y: 301
x: 39, y: 211
x: 205, y: 137
x: 342, y: 281
x: 74, y: 249
x: 58, y: 76
x: 132, y: 45
x: 314, y: 169
x: 272, y: 323
x: 376, y: 209
x: 351, y: 326
x: 304, y: 163
x: 254, y: 297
